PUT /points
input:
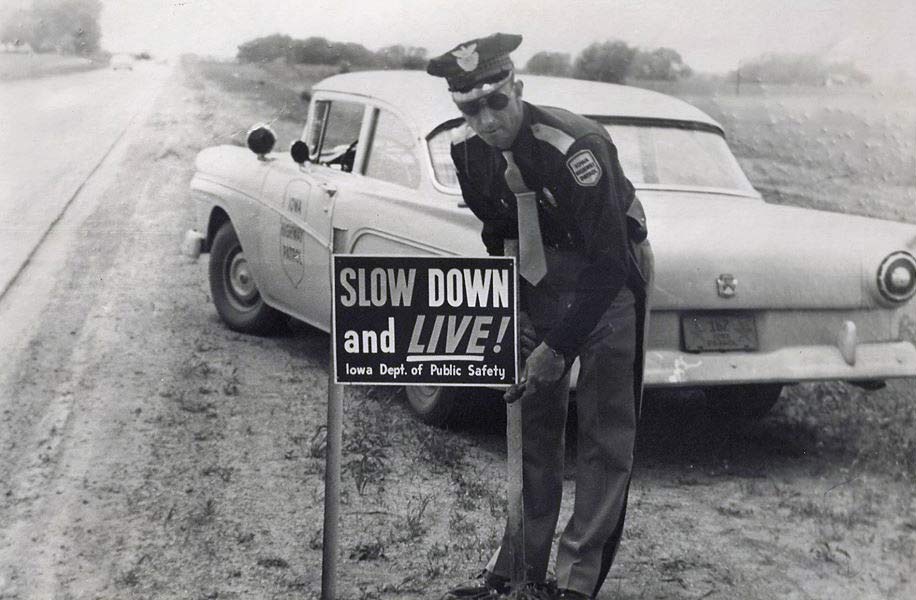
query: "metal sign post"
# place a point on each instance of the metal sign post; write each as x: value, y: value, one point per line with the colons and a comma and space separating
x: 514, y: 478
x: 332, y: 488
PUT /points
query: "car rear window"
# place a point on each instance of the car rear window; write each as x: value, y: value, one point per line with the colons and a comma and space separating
x: 676, y: 157
x: 650, y: 156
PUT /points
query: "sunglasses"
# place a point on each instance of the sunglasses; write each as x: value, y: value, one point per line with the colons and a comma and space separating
x: 496, y: 101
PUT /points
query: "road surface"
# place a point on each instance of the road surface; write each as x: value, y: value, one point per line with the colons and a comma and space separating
x: 55, y: 132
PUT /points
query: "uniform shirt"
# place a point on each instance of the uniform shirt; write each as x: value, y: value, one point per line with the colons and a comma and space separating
x: 583, y: 199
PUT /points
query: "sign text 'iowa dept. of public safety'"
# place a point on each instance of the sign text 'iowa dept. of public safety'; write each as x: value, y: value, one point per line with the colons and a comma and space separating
x: 424, y: 320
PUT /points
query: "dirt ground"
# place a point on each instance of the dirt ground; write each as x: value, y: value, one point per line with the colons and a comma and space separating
x: 149, y: 452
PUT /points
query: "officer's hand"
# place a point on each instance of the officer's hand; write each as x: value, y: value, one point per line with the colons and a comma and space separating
x: 542, y: 369
x: 526, y: 335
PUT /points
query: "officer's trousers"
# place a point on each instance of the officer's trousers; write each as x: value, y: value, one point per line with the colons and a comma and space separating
x: 606, y: 432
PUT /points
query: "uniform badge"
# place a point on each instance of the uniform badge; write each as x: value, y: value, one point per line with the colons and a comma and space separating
x: 467, y: 57
x: 584, y: 168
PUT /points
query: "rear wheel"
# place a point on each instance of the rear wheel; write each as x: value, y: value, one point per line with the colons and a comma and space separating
x: 741, y: 402
x: 444, y: 406
x: 432, y: 404
x: 235, y: 294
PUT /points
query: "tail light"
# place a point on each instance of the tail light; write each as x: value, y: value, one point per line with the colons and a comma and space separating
x: 897, y: 277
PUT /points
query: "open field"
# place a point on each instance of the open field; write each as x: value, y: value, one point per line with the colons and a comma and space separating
x: 847, y: 149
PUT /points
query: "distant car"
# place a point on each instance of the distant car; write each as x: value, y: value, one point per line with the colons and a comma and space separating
x: 748, y: 296
x: 121, y: 61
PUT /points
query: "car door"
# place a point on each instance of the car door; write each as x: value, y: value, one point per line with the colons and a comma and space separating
x: 296, y: 235
x: 396, y: 210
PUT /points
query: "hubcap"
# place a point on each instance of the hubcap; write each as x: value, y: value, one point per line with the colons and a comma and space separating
x: 423, y: 397
x: 241, y: 283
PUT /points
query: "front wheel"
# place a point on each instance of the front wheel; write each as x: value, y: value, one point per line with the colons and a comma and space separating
x: 235, y: 294
x: 741, y: 402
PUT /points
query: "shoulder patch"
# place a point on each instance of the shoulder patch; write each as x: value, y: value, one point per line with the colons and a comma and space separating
x: 584, y: 168
x: 557, y: 138
x: 462, y: 133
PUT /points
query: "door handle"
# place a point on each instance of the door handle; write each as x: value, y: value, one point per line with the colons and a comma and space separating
x: 328, y: 188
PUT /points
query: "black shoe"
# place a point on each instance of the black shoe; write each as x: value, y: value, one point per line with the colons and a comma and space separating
x: 539, y: 591
x: 571, y: 595
x: 488, y: 587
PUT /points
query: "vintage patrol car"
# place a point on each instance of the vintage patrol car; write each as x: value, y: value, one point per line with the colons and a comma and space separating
x: 748, y: 296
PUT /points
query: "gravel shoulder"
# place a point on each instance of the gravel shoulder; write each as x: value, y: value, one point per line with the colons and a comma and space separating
x: 149, y: 452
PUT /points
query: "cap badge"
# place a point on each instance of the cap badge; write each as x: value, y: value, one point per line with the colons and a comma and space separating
x: 727, y: 285
x: 467, y: 57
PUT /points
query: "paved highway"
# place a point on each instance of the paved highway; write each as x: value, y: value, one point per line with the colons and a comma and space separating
x: 54, y: 132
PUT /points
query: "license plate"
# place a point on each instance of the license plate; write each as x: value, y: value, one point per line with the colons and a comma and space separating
x: 717, y: 332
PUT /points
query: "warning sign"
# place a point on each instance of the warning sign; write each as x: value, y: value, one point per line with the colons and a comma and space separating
x: 424, y: 320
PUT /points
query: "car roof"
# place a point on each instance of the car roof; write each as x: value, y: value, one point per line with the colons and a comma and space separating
x: 425, y: 100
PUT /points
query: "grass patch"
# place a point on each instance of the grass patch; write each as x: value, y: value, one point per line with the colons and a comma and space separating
x: 875, y: 429
x: 279, y: 89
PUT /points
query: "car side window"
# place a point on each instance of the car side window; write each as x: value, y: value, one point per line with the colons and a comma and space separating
x: 334, y: 133
x: 393, y: 154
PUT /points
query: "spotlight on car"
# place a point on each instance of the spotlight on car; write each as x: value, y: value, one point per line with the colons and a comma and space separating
x: 261, y: 140
x: 897, y: 277
x: 299, y: 150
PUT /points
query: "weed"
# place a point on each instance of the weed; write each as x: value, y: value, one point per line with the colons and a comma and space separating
x: 319, y: 442
x: 273, y: 562
x: 472, y: 487
x: 366, y: 446
x: 197, y: 367
x: 224, y: 473
x: 413, y: 521
x: 459, y: 524
x: 833, y: 554
x: 439, y: 451
x: 316, y: 542
x: 129, y: 579
x: 436, y: 560
x: 231, y: 385
x: 373, y: 550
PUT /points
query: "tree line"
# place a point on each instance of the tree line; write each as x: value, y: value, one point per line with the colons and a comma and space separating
x: 63, y: 26
x: 321, y: 51
x: 612, y: 61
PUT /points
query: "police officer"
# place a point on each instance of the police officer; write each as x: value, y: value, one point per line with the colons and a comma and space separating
x: 552, y: 180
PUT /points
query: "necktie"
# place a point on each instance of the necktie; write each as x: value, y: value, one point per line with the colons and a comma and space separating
x: 532, y: 263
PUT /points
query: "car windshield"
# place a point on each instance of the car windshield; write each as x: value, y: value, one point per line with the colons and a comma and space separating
x: 651, y: 156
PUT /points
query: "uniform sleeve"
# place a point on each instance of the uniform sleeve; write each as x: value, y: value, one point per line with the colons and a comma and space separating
x: 598, y: 194
x: 492, y: 239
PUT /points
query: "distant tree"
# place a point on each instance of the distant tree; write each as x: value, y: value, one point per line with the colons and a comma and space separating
x: 65, y: 26
x: 264, y: 49
x: 311, y: 51
x: 549, y: 63
x: 17, y: 28
x: 354, y: 54
x: 321, y: 51
x: 402, y: 57
x: 659, y: 64
x: 807, y: 69
x: 605, y: 61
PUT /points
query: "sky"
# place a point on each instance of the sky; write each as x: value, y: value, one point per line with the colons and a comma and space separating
x: 711, y: 35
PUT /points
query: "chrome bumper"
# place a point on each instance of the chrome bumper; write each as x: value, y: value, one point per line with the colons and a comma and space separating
x: 885, y: 360
x: 192, y: 244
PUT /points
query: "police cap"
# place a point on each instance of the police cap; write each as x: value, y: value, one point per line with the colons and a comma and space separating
x: 471, y: 64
